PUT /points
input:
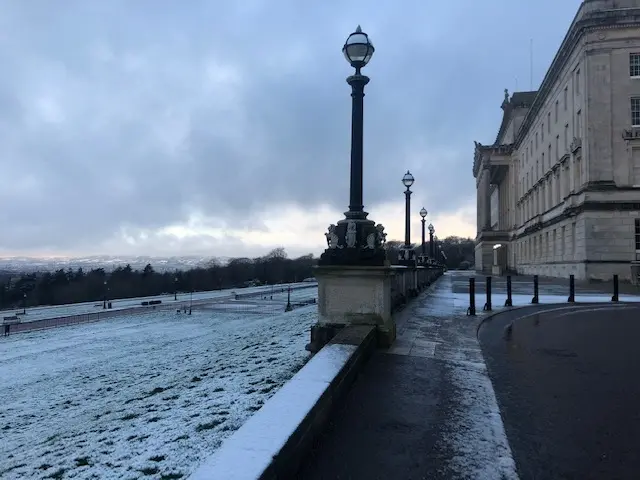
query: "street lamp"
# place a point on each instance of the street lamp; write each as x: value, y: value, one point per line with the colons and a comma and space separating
x: 355, y: 240
x: 175, y: 289
x: 104, y: 296
x: 423, y: 214
x: 407, y: 181
x: 288, y: 308
x: 24, y: 304
x: 190, y: 301
x: 431, y: 249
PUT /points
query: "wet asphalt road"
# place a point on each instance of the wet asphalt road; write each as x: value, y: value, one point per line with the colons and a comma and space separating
x: 567, y: 380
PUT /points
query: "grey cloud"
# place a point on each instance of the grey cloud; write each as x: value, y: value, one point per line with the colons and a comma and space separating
x: 121, y: 113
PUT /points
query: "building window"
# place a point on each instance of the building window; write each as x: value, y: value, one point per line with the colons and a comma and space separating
x: 637, y: 238
x: 634, y: 65
x: 549, y: 122
x: 562, y: 241
x: 566, y: 98
x: 573, y: 240
x: 578, y: 82
x: 557, y: 147
x: 566, y: 138
x: 542, y: 133
x: 556, y: 111
x: 579, y: 124
x: 635, y: 112
x: 536, y: 140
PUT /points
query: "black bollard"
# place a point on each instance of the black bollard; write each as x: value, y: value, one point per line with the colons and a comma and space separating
x: 471, y: 311
x: 572, y: 289
x: 535, y: 298
x: 615, y: 297
x: 509, y: 301
x: 487, y: 306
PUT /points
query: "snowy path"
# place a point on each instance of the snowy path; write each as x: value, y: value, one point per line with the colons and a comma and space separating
x: 145, y: 396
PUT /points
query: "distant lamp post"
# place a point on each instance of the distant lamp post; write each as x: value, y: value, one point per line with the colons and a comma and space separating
x: 431, y: 246
x: 190, y: 301
x: 175, y: 289
x: 24, y: 303
x: 104, y: 296
x: 288, y: 308
x: 407, y: 253
x: 423, y: 248
x: 355, y: 240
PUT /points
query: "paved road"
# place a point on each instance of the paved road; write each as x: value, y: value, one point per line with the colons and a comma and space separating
x: 567, y: 382
x: 523, y: 284
x: 423, y: 410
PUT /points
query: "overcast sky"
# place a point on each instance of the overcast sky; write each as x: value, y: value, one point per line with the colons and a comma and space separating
x: 172, y: 127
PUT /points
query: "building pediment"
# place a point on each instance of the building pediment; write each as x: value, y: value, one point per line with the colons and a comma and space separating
x: 490, y: 155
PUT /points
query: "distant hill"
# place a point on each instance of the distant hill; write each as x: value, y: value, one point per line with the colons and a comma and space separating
x: 108, y: 262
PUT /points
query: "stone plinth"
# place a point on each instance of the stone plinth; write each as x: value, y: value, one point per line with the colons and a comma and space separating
x: 353, y: 295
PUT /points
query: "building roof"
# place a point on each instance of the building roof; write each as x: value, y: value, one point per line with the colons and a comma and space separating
x: 517, y: 100
x: 592, y: 15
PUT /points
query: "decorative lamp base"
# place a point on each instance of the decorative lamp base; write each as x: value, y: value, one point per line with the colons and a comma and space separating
x: 353, y: 241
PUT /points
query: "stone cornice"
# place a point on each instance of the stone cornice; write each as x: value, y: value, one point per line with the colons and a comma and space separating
x: 574, y: 211
x: 479, y: 158
x: 592, y: 21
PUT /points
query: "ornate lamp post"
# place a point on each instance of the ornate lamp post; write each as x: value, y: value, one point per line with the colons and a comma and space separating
x: 24, y: 305
x: 104, y: 297
x: 407, y: 252
x: 431, y: 246
x: 175, y: 289
x: 288, y: 308
x: 356, y: 240
x: 423, y: 214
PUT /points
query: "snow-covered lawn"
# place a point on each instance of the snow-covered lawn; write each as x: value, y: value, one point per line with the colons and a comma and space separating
x: 39, y: 313
x: 146, y: 396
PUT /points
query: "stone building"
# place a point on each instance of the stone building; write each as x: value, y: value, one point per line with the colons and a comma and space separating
x: 558, y: 192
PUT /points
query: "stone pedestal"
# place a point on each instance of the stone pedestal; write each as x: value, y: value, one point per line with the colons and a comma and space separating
x: 353, y: 295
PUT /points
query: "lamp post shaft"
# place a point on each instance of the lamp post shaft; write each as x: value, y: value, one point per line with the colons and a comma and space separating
x: 431, y: 246
x: 424, y: 245
x: 357, y: 83
x: 407, y: 218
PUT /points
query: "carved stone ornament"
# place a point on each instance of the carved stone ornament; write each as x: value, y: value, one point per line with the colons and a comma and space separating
x: 332, y: 237
x: 355, y: 241
x: 351, y: 236
x: 382, y: 236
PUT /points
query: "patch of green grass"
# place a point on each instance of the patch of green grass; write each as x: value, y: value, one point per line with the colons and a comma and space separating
x: 21, y: 465
x: 130, y: 416
x: 82, y: 461
x: 196, y: 379
x: 149, y: 470
x: 57, y: 475
x: 52, y: 438
x: 44, y: 466
x: 156, y: 391
x: 208, y: 425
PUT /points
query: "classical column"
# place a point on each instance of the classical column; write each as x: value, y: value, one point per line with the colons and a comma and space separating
x: 485, y: 192
x: 479, y: 203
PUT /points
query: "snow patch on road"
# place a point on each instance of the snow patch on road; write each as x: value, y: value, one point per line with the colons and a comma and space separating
x: 477, y: 433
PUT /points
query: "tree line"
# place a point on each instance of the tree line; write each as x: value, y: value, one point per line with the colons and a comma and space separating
x: 76, y: 285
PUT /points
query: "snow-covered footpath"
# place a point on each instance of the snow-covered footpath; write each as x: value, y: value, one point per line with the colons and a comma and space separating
x: 144, y: 396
